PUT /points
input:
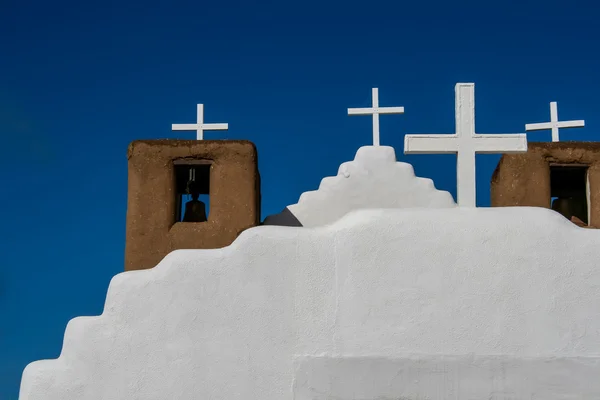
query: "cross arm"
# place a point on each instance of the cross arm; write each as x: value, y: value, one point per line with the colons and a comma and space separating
x: 571, y: 124
x: 360, y: 111
x: 215, y: 127
x: 508, y: 143
x: 430, y: 144
x: 538, y: 127
x: 184, y: 127
x: 390, y: 110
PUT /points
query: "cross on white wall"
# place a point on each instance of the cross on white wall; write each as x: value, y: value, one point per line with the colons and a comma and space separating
x: 200, y: 126
x: 554, y: 124
x: 465, y: 143
x: 375, y: 110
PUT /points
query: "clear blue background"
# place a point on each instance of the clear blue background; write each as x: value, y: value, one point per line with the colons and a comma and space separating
x: 79, y: 80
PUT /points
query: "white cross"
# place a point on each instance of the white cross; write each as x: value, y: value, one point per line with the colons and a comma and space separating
x: 554, y: 124
x: 200, y: 126
x: 465, y: 143
x: 375, y: 110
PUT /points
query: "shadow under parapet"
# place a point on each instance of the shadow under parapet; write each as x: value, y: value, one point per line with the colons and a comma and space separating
x: 284, y: 218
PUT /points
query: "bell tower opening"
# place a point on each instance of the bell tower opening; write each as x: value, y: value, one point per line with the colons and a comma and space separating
x: 569, y: 192
x: 192, y: 190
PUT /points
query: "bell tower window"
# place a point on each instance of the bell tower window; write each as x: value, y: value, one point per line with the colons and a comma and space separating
x: 569, y: 191
x: 192, y: 190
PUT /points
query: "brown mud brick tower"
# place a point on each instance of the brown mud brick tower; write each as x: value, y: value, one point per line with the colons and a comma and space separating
x: 160, y: 196
x: 564, y: 176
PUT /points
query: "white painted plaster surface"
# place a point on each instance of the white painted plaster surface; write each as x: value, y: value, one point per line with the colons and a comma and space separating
x: 375, y: 111
x: 554, y: 123
x: 465, y: 143
x: 446, y: 377
x: 200, y: 126
x: 373, y: 180
x: 457, y: 303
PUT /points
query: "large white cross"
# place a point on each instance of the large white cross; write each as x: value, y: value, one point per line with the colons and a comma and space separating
x: 465, y: 143
x: 200, y: 126
x: 554, y: 124
x: 375, y: 110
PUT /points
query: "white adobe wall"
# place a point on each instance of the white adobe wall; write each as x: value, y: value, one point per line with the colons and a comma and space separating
x: 401, y: 304
x: 373, y: 180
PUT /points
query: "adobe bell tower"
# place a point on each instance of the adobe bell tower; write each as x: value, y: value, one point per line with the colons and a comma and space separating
x: 188, y: 194
x: 563, y: 176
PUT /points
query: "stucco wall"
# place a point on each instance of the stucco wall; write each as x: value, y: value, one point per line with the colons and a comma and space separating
x: 373, y: 180
x: 404, y: 304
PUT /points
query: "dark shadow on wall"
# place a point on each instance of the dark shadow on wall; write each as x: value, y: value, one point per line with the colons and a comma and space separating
x: 284, y: 218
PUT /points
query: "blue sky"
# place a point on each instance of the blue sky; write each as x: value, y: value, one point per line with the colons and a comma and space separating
x: 80, y: 80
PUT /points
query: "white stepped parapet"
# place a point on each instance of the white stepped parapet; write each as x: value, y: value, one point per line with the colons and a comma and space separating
x: 373, y: 180
x: 414, y: 303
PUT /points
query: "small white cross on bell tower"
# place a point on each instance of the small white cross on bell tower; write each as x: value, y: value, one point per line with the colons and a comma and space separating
x: 375, y: 110
x: 554, y: 123
x: 200, y: 126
